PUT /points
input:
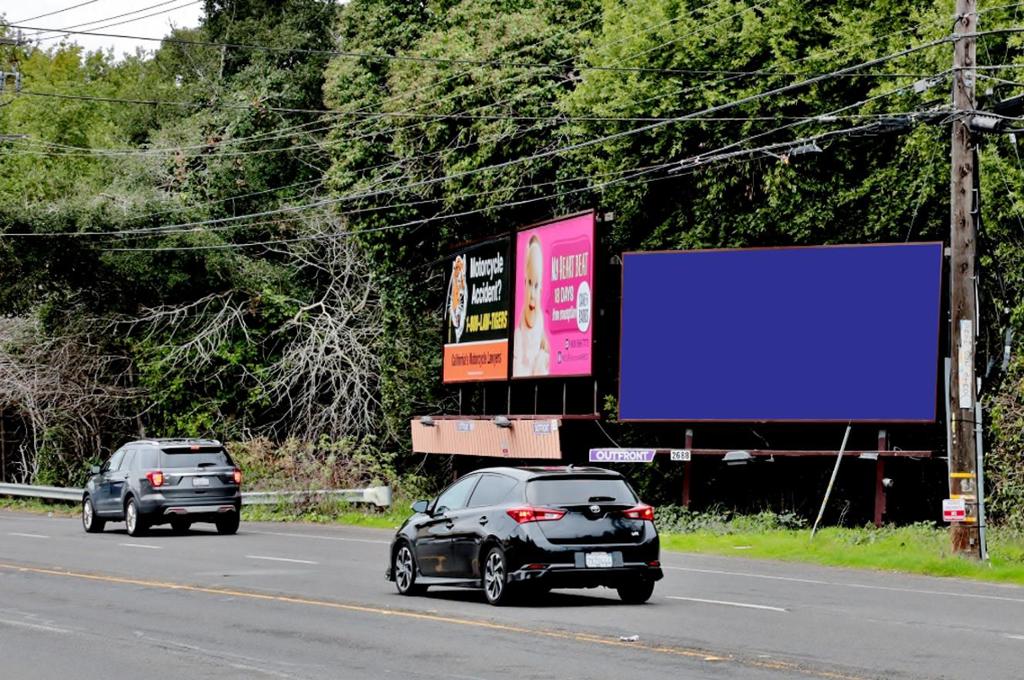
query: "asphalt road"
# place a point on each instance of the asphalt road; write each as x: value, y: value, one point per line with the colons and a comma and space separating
x: 301, y: 601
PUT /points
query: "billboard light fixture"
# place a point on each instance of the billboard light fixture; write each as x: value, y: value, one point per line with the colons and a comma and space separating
x: 502, y: 421
x: 737, y: 458
x: 426, y: 421
x: 869, y: 455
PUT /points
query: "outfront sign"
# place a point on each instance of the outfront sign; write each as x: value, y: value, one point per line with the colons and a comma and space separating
x: 621, y: 455
x: 476, y: 314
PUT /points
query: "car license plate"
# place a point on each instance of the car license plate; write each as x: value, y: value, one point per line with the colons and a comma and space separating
x: 200, y: 481
x: 598, y: 560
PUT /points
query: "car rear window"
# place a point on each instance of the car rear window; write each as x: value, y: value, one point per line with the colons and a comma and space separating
x: 578, y: 490
x: 184, y: 458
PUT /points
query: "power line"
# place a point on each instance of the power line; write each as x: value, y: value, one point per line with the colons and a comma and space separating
x: 686, y: 163
x: 677, y: 92
x: 378, y: 115
x: 101, y: 20
x: 84, y: 151
x: 64, y: 31
x: 690, y: 116
x: 564, y: 31
x: 59, y: 11
x: 395, y: 114
x: 699, y: 159
x: 705, y: 160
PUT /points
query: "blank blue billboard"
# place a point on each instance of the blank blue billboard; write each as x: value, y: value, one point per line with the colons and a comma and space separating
x: 838, y: 333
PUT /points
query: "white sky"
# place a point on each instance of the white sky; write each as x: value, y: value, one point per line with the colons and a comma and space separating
x: 97, y: 13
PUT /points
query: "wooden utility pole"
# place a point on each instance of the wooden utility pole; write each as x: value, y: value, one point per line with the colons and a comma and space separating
x: 963, y: 312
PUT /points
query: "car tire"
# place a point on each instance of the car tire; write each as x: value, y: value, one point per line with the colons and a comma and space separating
x: 180, y: 526
x: 133, y: 519
x: 636, y: 593
x: 90, y: 522
x: 404, y: 571
x: 228, y: 524
x: 497, y: 588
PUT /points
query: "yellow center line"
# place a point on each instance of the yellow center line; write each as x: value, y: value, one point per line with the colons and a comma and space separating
x: 693, y: 653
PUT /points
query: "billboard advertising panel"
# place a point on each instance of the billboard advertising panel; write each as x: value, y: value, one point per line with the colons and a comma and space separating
x: 553, y: 324
x: 476, y: 314
x: 841, y: 333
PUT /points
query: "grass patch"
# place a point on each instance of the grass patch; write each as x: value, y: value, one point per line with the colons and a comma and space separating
x: 328, y: 512
x: 915, y: 549
x: 38, y: 506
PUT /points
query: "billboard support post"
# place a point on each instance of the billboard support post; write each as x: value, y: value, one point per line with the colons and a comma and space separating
x: 962, y: 283
x: 883, y: 445
x: 687, y: 469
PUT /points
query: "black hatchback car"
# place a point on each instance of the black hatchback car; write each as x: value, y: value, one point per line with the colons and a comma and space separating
x: 530, y: 529
x: 165, y: 481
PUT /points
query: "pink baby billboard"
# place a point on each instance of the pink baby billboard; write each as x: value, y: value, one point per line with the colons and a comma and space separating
x: 554, y: 299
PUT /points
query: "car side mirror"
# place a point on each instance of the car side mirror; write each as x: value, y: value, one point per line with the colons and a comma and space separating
x: 420, y: 506
x: 95, y: 469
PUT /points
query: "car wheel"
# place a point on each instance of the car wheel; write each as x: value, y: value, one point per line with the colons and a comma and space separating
x: 90, y: 522
x: 403, y: 566
x: 133, y: 519
x: 497, y: 588
x: 228, y: 524
x: 180, y: 526
x: 636, y: 593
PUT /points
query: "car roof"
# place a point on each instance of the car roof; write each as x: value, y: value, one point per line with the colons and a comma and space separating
x: 178, y: 441
x: 539, y: 472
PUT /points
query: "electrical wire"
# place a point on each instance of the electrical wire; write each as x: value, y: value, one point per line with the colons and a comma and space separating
x: 833, y: 74
x: 718, y: 154
x: 578, y: 145
x: 443, y: 116
x: 41, y: 36
x: 59, y: 11
x: 703, y: 160
x: 84, y: 151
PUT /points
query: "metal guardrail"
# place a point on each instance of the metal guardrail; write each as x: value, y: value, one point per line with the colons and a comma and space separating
x: 376, y: 495
x: 52, y: 493
x: 379, y: 496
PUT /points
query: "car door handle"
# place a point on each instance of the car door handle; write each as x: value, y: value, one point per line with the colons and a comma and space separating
x: 483, y: 520
x: 449, y: 524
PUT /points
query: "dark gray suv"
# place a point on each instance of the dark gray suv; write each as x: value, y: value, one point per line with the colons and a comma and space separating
x: 165, y: 481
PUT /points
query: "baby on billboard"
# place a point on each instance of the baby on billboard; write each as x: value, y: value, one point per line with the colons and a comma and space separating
x: 531, y: 352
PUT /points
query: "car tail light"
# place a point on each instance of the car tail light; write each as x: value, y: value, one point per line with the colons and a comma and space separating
x: 237, y: 476
x: 654, y: 563
x: 156, y: 478
x: 641, y: 511
x: 527, y: 514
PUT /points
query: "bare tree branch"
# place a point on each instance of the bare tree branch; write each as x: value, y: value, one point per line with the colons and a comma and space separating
x: 328, y: 375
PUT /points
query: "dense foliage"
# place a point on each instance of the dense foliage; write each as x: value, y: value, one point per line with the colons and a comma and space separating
x: 359, y: 142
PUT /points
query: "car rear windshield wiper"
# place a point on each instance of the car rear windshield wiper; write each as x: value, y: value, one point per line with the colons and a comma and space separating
x: 206, y: 465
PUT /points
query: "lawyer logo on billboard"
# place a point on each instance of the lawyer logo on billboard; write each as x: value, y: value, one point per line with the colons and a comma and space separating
x: 476, y: 314
x: 554, y: 299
